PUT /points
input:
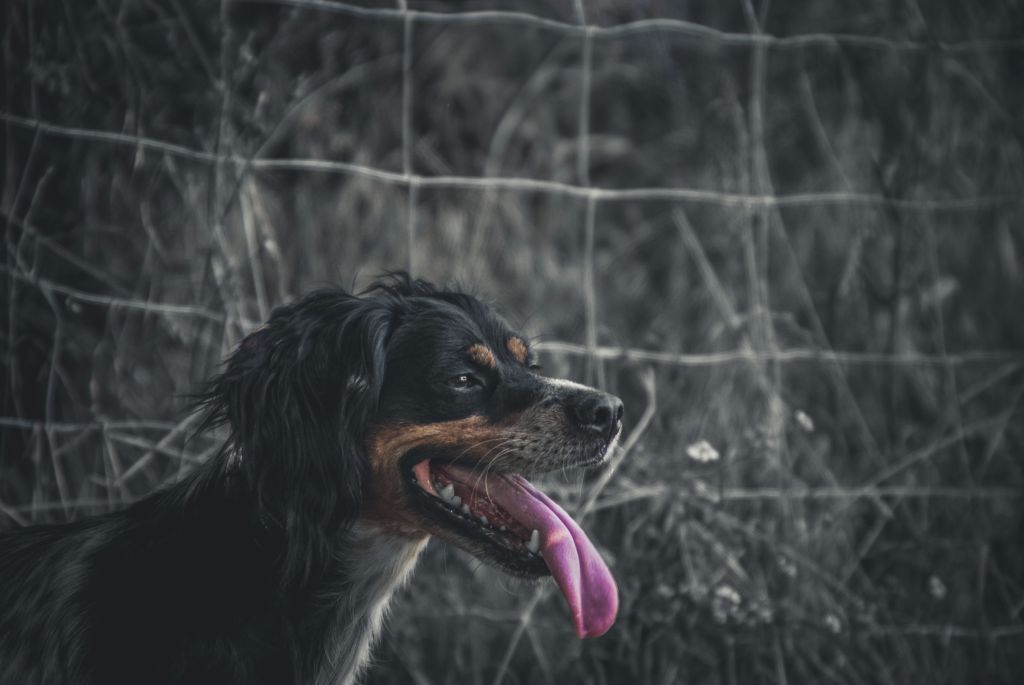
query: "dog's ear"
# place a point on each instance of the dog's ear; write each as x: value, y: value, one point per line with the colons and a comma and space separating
x: 298, y: 395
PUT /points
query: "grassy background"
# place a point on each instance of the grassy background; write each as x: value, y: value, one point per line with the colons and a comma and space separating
x: 791, y: 230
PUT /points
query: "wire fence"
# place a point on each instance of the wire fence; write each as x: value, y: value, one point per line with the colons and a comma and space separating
x: 801, y: 479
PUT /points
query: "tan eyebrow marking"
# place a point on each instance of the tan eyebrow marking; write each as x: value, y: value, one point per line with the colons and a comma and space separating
x: 518, y: 348
x: 482, y: 355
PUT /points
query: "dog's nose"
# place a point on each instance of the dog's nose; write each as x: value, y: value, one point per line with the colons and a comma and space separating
x: 598, y: 411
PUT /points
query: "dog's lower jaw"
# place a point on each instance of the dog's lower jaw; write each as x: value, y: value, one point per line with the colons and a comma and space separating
x: 373, y: 564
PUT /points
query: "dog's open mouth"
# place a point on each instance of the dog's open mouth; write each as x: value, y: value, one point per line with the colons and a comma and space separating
x: 523, y: 530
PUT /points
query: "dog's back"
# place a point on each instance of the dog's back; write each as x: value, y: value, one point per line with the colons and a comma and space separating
x: 43, y: 609
x: 172, y: 589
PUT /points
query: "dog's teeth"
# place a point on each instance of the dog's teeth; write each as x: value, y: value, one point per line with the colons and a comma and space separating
x: 503, y: 529
x: 447, y: 492
x: 534, y: 544
x: 455, y: 500
x: 465, y: 509
x: 483, y: 520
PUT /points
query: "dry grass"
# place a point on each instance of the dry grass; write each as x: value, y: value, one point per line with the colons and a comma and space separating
x: 792, y: 233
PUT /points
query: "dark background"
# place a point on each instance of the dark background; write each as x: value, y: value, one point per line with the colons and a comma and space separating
x: 792, y: 230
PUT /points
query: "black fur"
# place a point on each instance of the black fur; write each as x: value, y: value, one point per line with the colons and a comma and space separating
x: 221, y: 578
x: 252, y: 569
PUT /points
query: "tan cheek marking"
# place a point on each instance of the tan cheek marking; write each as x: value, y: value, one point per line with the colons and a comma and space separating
x: 482, y: 355
x: 518, y: 349
x: 386, y: 445
x: 472, y: 438
x: 389, y: 442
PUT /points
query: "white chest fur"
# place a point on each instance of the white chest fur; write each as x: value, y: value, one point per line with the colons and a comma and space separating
x: 375, y: 564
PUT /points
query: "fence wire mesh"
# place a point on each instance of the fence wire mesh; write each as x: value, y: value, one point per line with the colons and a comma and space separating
x: 790, y: 237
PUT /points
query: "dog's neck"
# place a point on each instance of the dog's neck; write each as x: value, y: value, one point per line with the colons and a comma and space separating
x: 372, y: 565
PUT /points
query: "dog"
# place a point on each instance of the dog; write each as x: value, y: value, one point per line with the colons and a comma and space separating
x: 359, y: 425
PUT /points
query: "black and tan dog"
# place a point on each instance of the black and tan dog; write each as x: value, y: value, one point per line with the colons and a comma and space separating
x: 359, y: 426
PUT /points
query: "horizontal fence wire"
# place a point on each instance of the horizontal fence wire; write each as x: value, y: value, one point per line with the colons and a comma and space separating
x: 519, y: 184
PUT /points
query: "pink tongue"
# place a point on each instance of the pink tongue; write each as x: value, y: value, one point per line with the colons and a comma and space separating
x: 585, y: 581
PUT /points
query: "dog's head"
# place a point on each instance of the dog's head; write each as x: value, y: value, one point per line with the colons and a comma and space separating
x: 420, y: 411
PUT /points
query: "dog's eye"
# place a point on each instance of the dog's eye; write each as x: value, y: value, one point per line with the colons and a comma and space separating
x: 463, y: 381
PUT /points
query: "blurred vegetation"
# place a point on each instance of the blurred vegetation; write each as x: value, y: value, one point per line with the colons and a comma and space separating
x: 805, y: 252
